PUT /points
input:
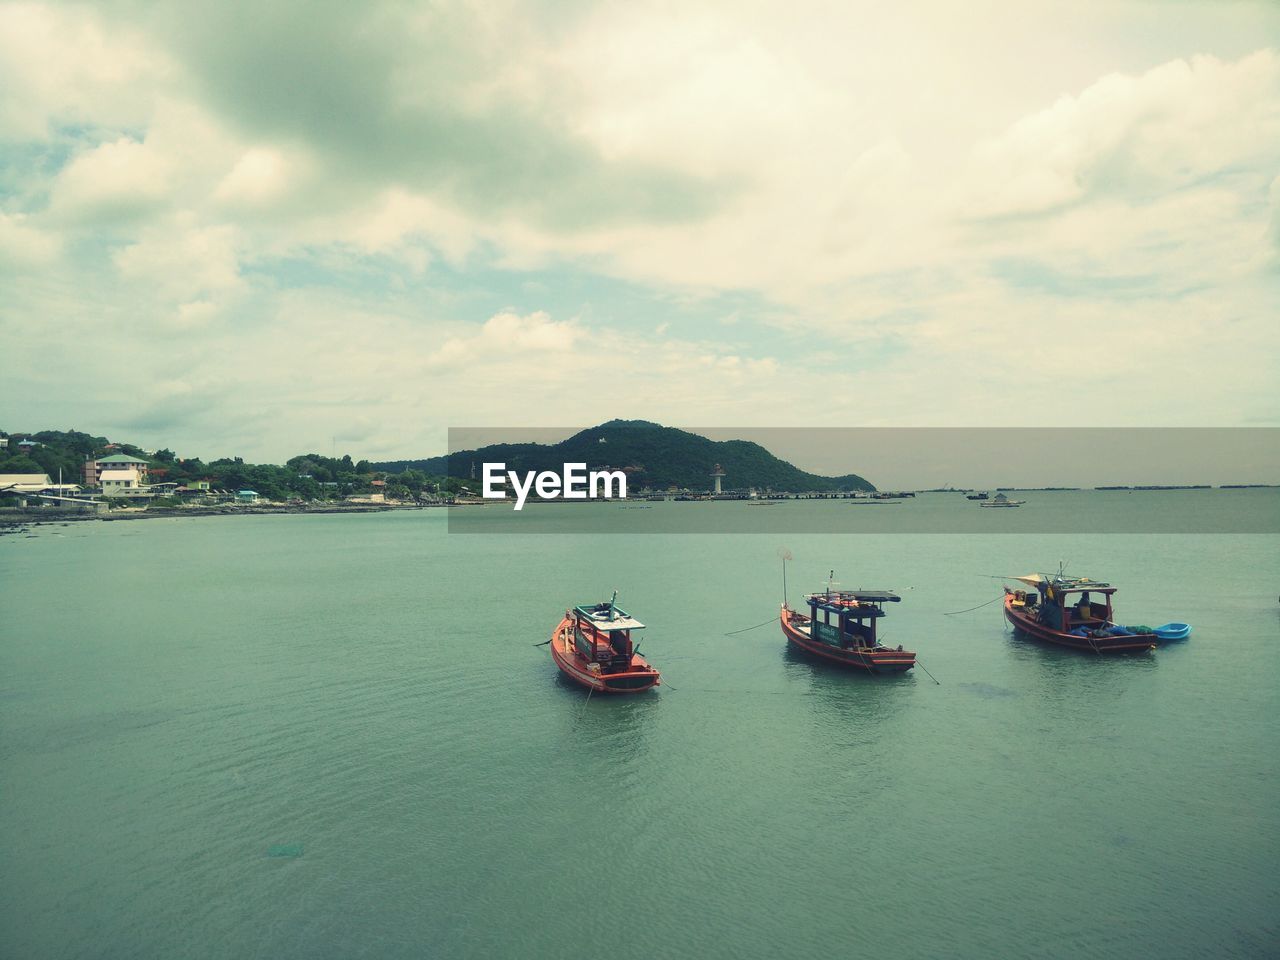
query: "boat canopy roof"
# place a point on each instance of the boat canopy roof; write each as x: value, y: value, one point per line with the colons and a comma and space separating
x: 607, y: 618
x: 1065, y: 584
x: 859, y: 604
x: 866, y: 596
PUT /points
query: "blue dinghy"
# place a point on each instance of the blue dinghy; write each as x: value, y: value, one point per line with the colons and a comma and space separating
x: 1173, y: 631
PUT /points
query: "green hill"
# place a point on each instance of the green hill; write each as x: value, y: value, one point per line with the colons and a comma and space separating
x: 652, y: 455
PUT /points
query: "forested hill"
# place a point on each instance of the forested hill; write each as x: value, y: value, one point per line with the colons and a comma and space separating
x: 653, y: 456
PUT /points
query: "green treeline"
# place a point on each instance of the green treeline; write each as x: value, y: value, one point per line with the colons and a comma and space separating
x: 654, y: 456
x: 308, y: 476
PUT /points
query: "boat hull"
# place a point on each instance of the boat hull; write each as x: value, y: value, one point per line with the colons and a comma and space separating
x: 1025, y: 623
x: 872, y: 661
x: 638, y: 679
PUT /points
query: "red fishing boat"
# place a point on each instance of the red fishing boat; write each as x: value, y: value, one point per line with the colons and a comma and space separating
x: 592, y: 646
x: 1063, y: 610
x: 841, y: 627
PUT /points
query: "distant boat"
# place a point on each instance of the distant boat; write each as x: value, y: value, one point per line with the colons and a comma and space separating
x: 1000, y: 500
x: 1048, y: 613
x: 592, y: 646
x: 841, y: 627
x: 981, y: 495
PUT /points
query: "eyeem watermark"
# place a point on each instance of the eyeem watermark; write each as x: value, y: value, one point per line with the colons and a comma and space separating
x: 573, y: 483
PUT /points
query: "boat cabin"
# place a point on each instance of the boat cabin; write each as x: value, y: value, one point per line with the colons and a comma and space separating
x: 847, y: 618
x: 1064, y: 604
x: 602, y: 634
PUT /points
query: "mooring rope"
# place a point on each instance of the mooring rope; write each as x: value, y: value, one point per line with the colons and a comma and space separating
x: 756, y: 627
x: 978, y: 607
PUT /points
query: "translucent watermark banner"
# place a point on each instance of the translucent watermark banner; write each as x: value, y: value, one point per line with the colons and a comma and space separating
x: 634, y: 477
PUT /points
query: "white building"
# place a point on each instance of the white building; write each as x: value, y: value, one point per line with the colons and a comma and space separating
x: 122, y: 483
x: 25, y: 482
x: 119, y: 476
x: 34, y: 483
x: 94, y: 469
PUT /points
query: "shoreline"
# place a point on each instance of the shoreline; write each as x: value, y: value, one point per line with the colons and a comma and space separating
x: 16, y: 521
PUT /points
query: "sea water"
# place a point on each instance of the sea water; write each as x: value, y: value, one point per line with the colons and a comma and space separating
x: 335, y: 736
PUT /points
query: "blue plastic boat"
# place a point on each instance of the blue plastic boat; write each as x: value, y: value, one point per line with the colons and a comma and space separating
x: 1173, y: 631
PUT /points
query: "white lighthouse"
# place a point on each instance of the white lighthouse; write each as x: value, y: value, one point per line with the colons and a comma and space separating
x: 716, y: 474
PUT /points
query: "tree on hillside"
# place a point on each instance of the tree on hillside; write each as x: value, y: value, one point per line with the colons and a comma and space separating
x: 20, y: 464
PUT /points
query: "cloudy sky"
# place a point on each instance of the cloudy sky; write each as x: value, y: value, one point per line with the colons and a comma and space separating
x: 263, y: 229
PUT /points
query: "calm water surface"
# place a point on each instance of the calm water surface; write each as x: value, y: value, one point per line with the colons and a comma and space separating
x: 178, y: 697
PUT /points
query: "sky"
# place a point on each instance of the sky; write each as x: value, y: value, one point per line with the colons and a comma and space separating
x: 268, y: 229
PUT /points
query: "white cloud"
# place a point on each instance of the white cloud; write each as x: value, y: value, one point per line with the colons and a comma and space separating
x: 119, y: 180
x: 25, y: 246
x: 534, y: 337
x: 182, y: 261
x: 64, y: 65
x: 1134, y: 136
x: 259, y: 176
x: 1273, y: 229
x: 195, y: 314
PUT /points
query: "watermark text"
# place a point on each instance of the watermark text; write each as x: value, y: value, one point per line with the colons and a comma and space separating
x: 574, y: 482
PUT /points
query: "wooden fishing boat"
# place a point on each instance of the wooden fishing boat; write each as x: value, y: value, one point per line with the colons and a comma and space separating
x: 1050, y: 613
x: 592, y: 646
x: 1000, y: 500
x: 841, y: 627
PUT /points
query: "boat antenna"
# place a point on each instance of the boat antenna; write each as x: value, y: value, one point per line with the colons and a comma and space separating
x: 831, y: 579
x: 612, y: 602
x: 785, y: 554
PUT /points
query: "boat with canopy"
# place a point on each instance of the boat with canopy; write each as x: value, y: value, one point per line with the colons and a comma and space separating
x: 841, y: 626
x: 1075, y: 612
x: 593, y: 646
x: 1000, y: 500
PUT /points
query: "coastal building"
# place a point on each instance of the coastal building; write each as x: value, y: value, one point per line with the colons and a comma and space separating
x: 717, y: 474
x: 122, y: 483
x: 25, y: 482
x: 37, y: 485
x: 116, y: 464
x: 194, y: 489
x: 247, y: 496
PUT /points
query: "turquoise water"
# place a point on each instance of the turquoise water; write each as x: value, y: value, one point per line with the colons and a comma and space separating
x: 333, y: 736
